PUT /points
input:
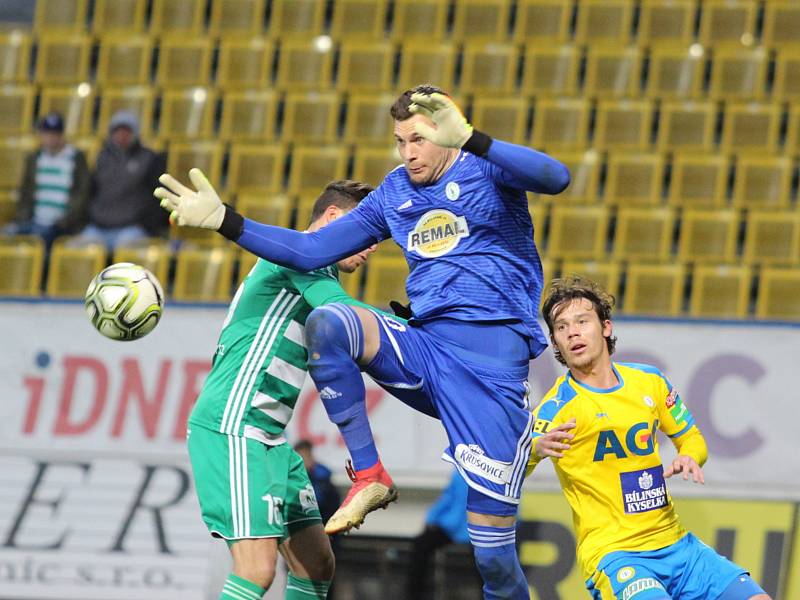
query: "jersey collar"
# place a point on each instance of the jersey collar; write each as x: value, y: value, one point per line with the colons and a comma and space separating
x: 596, y: 389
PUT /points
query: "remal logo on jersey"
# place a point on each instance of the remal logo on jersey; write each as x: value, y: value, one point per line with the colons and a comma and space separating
x: 436, y: 233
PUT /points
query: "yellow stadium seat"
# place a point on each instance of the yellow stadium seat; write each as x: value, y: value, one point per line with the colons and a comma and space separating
x: 676, y: 73
x: 578, y: 232
x: 351, y: 283
x: 237, y: 18
x: 720, y: 291
x: 72, y: 267
x: 634, y: 178
x: 248, y: 115
x: 667, y: 22
x: 8, y: 206
x: 699, y: 180
x: 313, y: 167
x: 203, y: 273
x: 550, y: 71
x: 623, y: 124
x: 310, y: 117
x: 365, y: 66
x: 481, y: 20
x: 584, y: 169
x: 389, y: 248
x: 177, y: 17
x: 604, y: 21
x: 272, y: 209
x: 256, y: 168
x: 654, y: 290
x: 793, y: 131
x: 424, y: 20
x: 187, y: 113
x: 613, y: 72
x: 728, y: 22
x: 138, y: 100
x: 777, y: 294
x: 151, y: 253
x: 359, y: 19
x: 539, y: 213
x: 245, y: 64
x: 124, y: 60
x: 606, y: 274
x: 181, y: 237
x: 302, y: 19
x: 12, y: 160
x: 371, y: 165
x: 205, y: 155
x: 305, y: 206
x: 21, y: 260
x: 644, y: 234
x: 63, y: 59
x: 751, y: 127
x: 488, y: 68
x: 772, y: 237
x: 246, y: 263
x: 368, y: 120
x: 504, y: 118
x: 386, y: 280
x: 739, y: 74
x: 76, y: 105
x: 687, y: 126
x: 763, y: 182
x: 15, y: 56
x: 781, y: 24
x: 60, y: 16
x: 118, y: 16
x: 16, y: 109
x: 90, y: 146
x: 304, y: 66
x: 541, y: 22
x: 708, y: 235
x: 561, y: 124
x: 786, y: 87
x: 428, y: 62
x: 184, y: 62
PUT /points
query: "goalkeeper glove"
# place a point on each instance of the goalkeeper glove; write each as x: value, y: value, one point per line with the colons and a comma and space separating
x: 452, y: 129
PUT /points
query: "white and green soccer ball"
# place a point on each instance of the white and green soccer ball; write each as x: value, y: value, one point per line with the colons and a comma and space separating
x: 124, y: 301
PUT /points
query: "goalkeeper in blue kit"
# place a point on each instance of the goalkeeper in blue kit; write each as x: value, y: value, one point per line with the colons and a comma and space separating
x: 458, y: 209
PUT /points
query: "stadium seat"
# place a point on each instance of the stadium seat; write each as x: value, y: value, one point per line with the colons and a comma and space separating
x: 578, y: 232
x: 654, y: 290
x: 205, y: 155
x: 739, y: 74
x: 634, y: 178
x: 124, y: 60
x: 16, y: 109
x: 151, y: 253
x: 699, y: 180
x: 368, y: 120
x: 15, y: 56
x: 245, y: 64
x: 310, y: 117
x: 720, y: 291
x: 613, y: 72
x: 62, y: 16
x: 481, y: 20
x: 8, y: 206
x: 728, y: 22
x: 763, y: 182
x: 772, y: 237
x: 550, y: 71
x: 751, y: 127
x: 76, y: 105
x: 184, y: 62
x: 786, y: 86
x: 237, y: 18
x: 675, y: 73
x: 12, y: 159
x: 365, y: 66
x: 63, y: 59
x: 505, y: 118
x: 687, y: 126
x: 139, y: 100
x: 386, y: 280
x: 303, y: 65
x: 623, y: 125
x: 371, y: 165
x: 187, y: 114
x: 351, y: 282
x: 423, y: 20
x: 540, y: 213
x: 777, y: 294
x: 604, y: 21
x: 246, y: 261
x: 561, y: 124
x: 305, y: 206
x: 488, y: 68
x: 667, y: 22
x: 72, y: 267
x: 427, y: 62
x: 781, y: 24
x: 21, y: 260
x: 273, y: 209
x: 607, y: 274
x: 301, y: 19
x: 644, y: 234
x: 584, y: 169
x: 203, y: 273
x: 540, y: 22
x: 177, y: 17
x: 708, y: 235
x: 248, y: 116
x: 118, y: 17
x: 313, y: 167
x: 793, y: 131
x: 90, y: 146
x: 359, y: 20
x: 256, y: 168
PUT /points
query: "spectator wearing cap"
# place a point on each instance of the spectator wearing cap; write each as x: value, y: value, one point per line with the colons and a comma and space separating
x: 55, y: 185
x: 121, y: 208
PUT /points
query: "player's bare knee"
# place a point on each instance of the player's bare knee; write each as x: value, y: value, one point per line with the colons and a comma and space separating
x: 262, y: 574
x: 323, y: 567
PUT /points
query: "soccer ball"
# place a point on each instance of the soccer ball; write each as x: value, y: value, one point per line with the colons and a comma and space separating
x: 124, y: 301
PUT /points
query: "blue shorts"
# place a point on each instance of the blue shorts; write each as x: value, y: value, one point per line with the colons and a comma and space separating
x: 482, y: 402
x: 686, y: 570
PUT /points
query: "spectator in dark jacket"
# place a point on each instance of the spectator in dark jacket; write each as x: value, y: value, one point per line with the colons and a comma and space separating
x: 328, y: 497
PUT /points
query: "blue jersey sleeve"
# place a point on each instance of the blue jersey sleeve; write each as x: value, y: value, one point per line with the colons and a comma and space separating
x: 369, y: 213
x: 513, y: 166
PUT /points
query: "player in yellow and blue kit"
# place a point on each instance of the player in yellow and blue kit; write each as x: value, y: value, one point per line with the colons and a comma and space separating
x: 598, y: 424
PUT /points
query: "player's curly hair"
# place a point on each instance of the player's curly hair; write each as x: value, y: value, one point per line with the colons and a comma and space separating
x: 343, y: 193
x: 566, y: 289
x: 399, y: 109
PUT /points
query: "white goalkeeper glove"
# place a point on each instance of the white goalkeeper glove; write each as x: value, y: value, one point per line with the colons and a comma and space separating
x: 452, y: 128
x: 201, y: 208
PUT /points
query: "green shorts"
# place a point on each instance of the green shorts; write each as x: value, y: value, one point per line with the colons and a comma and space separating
x: 247, y: 489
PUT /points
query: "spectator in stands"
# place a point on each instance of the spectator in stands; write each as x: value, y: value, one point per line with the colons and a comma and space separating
x: 122, y: 208
x: 327, y: 495
x: 54, y: 187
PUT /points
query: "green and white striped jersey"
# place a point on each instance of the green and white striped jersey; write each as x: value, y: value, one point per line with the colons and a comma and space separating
x: 259, y: 366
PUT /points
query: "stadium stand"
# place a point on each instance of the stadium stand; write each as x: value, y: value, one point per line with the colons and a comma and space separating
x: 21, y: 261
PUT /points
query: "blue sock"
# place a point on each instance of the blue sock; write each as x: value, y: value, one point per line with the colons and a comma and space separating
x: 496, y: 558
x: 335, y: 341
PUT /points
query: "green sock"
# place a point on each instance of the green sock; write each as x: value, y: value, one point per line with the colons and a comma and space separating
x: 236, y: 588
x: 298, y: 588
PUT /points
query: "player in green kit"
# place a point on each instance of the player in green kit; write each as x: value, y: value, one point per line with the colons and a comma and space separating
x: 253, y: 489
